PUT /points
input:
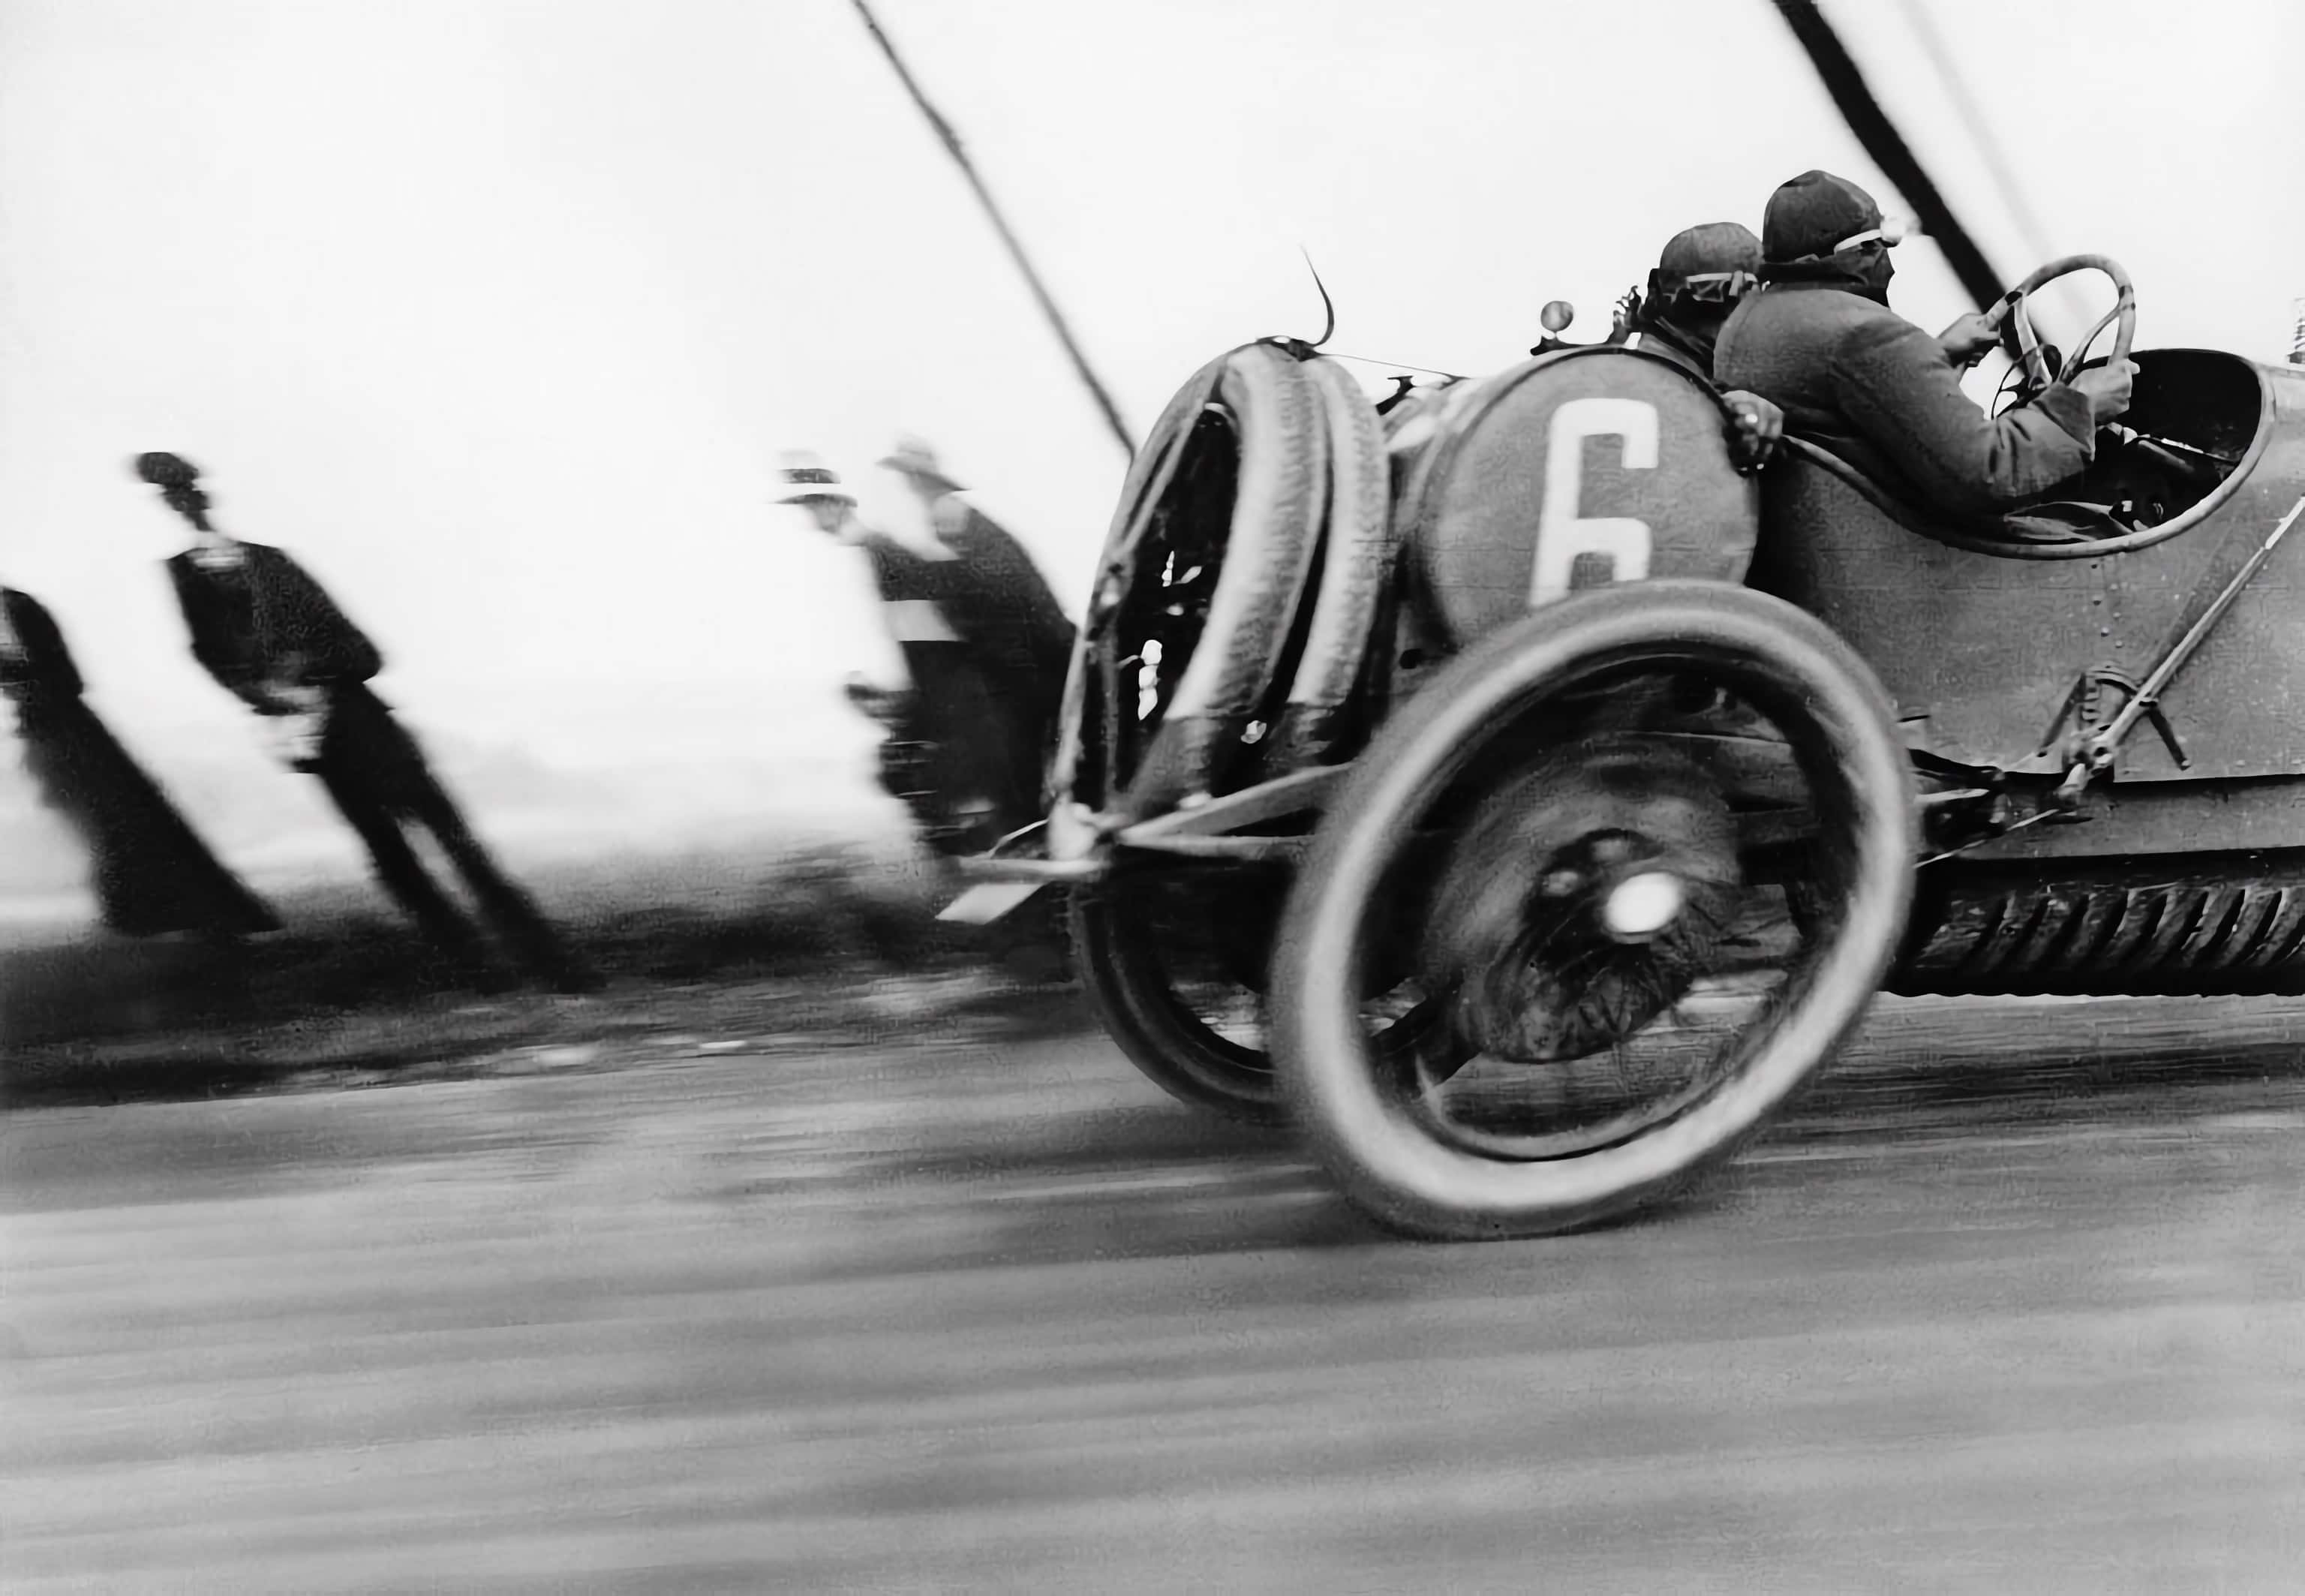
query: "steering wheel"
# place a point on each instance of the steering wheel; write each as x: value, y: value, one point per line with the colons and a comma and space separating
x: 2013, y: 317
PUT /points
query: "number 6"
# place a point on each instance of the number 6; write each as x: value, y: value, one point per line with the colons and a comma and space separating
x: 1561, y: 533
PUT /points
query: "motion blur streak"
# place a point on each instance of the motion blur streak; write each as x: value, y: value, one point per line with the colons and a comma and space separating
x: 2015, y: 1306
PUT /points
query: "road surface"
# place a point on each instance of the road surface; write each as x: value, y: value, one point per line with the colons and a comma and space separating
x: 2014, y: 1303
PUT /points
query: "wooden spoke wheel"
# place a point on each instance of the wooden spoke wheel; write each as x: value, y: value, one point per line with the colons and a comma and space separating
x: 1622, y: 1003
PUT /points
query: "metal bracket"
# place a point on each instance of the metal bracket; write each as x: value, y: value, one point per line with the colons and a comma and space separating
x: 2095, y: 752
x: 2094, y: 741
x: 1300, y: 790
x: 2104, y: 742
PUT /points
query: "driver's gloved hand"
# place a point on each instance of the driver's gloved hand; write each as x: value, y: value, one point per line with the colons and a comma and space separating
x: 1755, y: 427
x: 2106, y: 387
x: 1970, y: 338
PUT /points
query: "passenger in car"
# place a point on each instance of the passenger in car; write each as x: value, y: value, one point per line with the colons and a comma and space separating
x: 1700, y: 275
x: 1857, y: 378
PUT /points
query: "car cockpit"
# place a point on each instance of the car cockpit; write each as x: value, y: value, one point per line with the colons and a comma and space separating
x: 2193, y: 419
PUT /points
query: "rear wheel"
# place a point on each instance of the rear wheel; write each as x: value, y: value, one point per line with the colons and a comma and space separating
x: 1589, y: 824
x: 1202, y: 625
x: 1176, y: 971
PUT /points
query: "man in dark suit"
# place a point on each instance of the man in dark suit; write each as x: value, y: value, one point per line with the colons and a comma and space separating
x: 269, y: 634
x: 151, y: 873
x: 1002, y: 610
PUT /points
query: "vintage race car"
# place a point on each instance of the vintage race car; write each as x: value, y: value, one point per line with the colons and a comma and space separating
x: 1522, y: 800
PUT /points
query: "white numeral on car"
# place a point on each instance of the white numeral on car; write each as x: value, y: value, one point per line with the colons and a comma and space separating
x: 1562, y: 535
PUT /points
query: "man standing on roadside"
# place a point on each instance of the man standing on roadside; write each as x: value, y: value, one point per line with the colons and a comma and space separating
x: 150, y: 872
x: 983, y: 642
x: 996, y: 597
x: 266, y: 631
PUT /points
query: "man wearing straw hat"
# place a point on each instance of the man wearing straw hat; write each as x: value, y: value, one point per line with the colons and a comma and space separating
x: 913, y: 625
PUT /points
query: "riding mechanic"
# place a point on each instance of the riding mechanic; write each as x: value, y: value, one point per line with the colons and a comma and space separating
x: 1701, y: 276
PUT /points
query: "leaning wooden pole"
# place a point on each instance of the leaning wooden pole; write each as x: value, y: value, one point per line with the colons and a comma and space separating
x: 1015, y: 250
x: 1862, y: 112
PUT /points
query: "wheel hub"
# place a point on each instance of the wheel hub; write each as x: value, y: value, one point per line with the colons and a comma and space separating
x: 1586, y: 895
x: 1642, y: 904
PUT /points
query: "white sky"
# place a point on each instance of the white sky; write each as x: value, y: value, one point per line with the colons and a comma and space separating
x: 498, y: 314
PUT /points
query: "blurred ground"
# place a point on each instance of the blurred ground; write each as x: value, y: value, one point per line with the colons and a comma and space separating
x: 718, y: 1281
x: 719, y: 946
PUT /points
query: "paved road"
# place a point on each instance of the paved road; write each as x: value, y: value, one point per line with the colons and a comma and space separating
x: 2015, y: 1304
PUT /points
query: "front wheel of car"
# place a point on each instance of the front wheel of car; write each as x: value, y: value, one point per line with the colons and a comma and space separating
x: 1588, y: 826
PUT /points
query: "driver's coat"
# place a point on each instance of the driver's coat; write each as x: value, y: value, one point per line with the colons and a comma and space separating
x: 1857, y: 377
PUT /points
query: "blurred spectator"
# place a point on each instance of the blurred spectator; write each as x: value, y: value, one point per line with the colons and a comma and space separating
x: 150, y: 873
x: 996, y: 599
x: 985, y: 644
x: 265, y: 630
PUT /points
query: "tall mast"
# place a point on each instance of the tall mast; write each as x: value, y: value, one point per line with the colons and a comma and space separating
x: 1887, y: 148
x: 952, y: 141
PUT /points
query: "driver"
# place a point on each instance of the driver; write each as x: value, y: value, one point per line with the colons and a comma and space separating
x: 1854, y: 376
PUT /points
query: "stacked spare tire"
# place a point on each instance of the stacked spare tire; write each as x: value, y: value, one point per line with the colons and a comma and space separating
x: 1249, y: 551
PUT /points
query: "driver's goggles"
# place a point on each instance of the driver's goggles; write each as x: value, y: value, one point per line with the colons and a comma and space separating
x: 1717, y: 288
x: 1891, y: 232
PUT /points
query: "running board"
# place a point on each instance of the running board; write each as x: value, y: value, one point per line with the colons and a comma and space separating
x: 1192, y: 830
x: 989, y: 901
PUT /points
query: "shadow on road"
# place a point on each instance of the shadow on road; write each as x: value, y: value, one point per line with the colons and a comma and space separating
x: 2018, y: 1060
x: 807, y: 947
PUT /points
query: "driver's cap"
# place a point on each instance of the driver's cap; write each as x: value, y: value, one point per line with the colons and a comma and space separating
x: 1815, y: 213
x: 1714, y: 247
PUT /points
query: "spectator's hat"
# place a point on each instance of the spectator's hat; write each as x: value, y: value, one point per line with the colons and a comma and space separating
x: 1817, y: 214
x: 179, y: 482
x: 914, y: 459
x: 166, y: 470
x: 805, y: 478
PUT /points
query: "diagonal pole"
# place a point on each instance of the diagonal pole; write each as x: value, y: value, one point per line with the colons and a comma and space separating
x: 1015, y: 250
x: 1980, y: 126
x: 1887, y: 147
x: 1996, y: 157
